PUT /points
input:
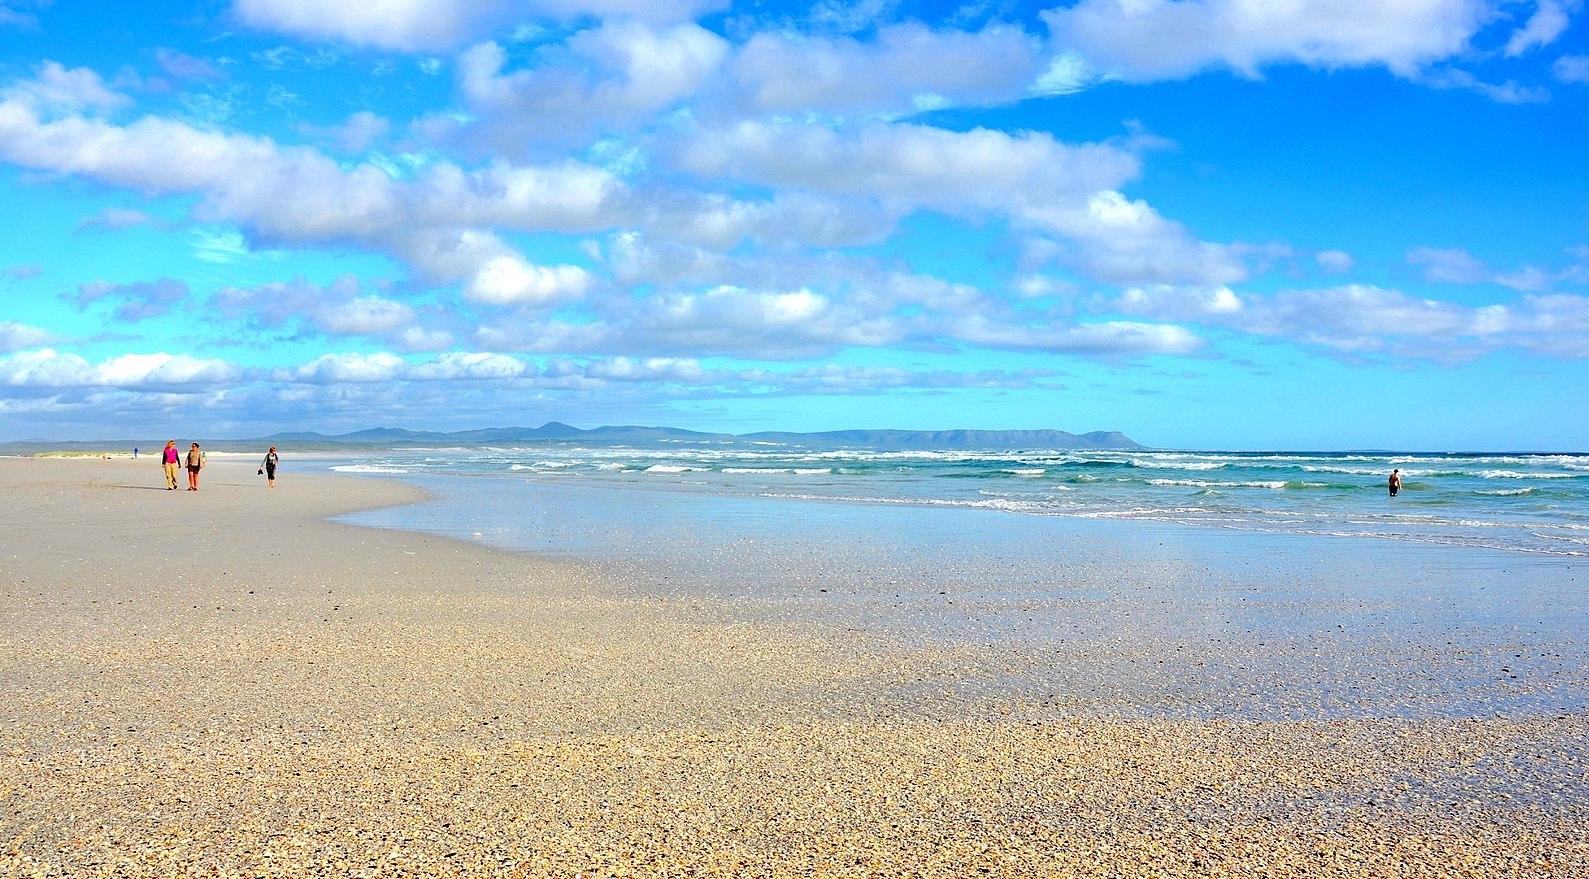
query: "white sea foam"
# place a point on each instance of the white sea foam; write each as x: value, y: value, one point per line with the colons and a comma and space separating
x: 672, y: 468
x: 1513, y: 474
x: 1506, y: 492
x: 1025, y: 471
x: 366, y: 468
x: 1197, y: 483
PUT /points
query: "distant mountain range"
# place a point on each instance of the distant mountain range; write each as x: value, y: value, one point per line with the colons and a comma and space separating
x: 555, y: 431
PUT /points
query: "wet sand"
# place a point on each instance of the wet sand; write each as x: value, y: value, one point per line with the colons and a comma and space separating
x: 223, y: 683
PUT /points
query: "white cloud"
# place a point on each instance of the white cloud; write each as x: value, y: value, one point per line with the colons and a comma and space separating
x: 789, y: 72
x: 408, y: 25
x: 464, y: 365
x: 136, y: 301
x: 913, y: 164
x: 366, y: 315
x: 1362, y: 319
x: 115, y: 219
x: 57, y: 88
x: 436, y: 25
x: 1146, y: 40
x: 340, y: 309
x: 355, y: 135
x: 511, y: 280
x: 1448, y: 265
x: 1031, y: 178
x: 1169, y: 302
x: 49, y: 368
x: 1571, y: 68
x: 1105, y: 338
x: 615, y: 76
x: 1549, y: 21
x: 15, y: 335
x: 1507, y: 92
x: 187, y: 68
x: 297, y: 195
x: 763, y: 324
x: 1334, y: 261
x: 353, y: 368
x: 1457, y: 266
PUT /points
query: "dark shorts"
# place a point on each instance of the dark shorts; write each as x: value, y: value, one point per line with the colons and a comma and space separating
x: 1393, y: 490
x: 193, y: 469
x: 270, y: 472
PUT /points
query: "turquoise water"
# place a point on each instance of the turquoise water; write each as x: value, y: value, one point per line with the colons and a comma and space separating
x: 1535, y: 503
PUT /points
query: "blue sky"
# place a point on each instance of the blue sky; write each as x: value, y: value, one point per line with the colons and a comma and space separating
x: 1206, y: 223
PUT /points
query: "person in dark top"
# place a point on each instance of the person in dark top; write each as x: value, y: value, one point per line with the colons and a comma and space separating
x: 195, y: 464
x: 1395, y: 482
x: 268, y: 467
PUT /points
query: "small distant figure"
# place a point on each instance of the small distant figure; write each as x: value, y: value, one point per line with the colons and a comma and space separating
x: 1395, y: 482
x: 169, y: 458
x: 195, y: 464
x: 268, y: 467
x: 135, y: 453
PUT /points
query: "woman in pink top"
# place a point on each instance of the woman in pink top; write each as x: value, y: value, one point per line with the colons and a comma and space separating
x: 169, y: 459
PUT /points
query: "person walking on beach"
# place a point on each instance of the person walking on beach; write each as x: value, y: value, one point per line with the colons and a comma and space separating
x: 268, y: 467
x: 195, y: 464
x: 1395, y: 482
x: 168, y: 461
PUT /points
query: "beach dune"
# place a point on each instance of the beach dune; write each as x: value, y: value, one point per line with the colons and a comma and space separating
x: 224, y: 683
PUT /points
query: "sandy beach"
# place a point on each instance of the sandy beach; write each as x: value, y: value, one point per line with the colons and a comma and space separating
x: 226, y: 684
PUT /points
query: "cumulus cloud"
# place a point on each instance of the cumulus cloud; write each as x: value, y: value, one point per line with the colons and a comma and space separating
x: 49, y: 368
x: 511, y: 280
x: 1334, y: 261
x: 1360, y: 318
x: 187, y: 68
x: 1571, y: 69
x: 612, y: 77
x: 905, y: 67
x: 1549, y: 21
x: 15, y: 335
x: 1457, y: 266
x: 1104, y: 338
x: 915, y: 165
x: 55, y: 87
x: 437, y: 25
x: 345, y: 368
x: 1062, y: 189
x: 115, y: 219
x: 1147, y: 40
x: 355, y: 134
x: 342, y: 308
x: 136, y: 301
x: 1448, y: 265
x: 297, y: 195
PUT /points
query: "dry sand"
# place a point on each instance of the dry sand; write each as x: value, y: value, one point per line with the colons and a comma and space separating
x: 223, y: 684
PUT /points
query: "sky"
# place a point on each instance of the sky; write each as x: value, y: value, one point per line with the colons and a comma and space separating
x: 1310, y: 224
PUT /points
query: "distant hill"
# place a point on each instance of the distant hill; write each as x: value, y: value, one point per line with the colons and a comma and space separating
x: 555, y: 431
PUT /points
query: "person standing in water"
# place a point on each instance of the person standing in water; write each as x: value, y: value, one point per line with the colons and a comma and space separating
x: 268, y: 467
x: 1395, y: 482
x: 169, y: 457
x: 195, y: 464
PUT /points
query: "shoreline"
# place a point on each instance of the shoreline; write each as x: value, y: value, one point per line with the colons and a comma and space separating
x: 227, y: 682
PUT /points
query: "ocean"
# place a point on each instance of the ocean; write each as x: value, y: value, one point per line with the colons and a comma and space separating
x: 1527, y: 503
x: 1299, y: 586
